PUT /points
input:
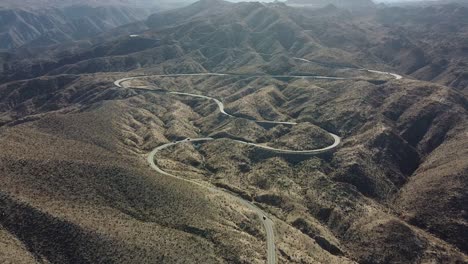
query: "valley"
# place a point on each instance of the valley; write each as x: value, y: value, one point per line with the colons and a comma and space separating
x: 267, y: 222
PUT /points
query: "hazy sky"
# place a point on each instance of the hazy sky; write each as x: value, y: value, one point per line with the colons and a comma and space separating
x: 377, y: 1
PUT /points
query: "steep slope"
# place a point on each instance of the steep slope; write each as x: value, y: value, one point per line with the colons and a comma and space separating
x: 441, y: 181
x: 53, y: 25
x: 388, y: 143
x: 78, y: 169
x: 199, y: 9
x: 405, y: 149
x: 220, y: 36
x: 267, y: 33
x: 431, y: 40
x: 73, y: 193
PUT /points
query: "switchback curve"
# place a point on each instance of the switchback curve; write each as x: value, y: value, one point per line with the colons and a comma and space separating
x: 263, y: 216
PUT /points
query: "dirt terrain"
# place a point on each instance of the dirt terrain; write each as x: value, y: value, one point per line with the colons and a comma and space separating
x: 77, y: 187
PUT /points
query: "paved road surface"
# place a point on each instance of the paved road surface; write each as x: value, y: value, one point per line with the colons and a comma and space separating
x: 394, y: 75
x: 219, y: 103
x: 263, y: 216
x: 119, y: 82
x: 267, y: 222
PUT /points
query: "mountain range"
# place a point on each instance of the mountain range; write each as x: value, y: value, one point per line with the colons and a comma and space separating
x: 48, y: 26
x: 426, y: 43
x: 80, y: 118
x: 353, y: 4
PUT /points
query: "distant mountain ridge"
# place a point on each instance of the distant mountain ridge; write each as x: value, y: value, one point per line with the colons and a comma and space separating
x: 352, y: 4
x: 49, y: 26
x: 217, y: 35
x: 63, y: 3
x: 197, y: 9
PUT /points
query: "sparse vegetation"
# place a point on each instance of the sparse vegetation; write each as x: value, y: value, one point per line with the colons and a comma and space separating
x: 76, y: 187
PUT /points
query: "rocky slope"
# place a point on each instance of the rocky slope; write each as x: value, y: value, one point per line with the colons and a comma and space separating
x: 433, y: 40
x: 78, y: 171
x: 382, y: 177
x: 254, y: 36
x: 42, y: 27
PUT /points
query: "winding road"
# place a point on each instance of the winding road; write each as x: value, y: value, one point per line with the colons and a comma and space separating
x: 266, y: 221
x: 263, y: 216
x: 394, y: 75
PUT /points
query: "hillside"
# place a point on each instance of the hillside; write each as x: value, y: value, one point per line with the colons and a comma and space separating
x: 389, y: 37
x: 48, y: 26
x: 434, y: 40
